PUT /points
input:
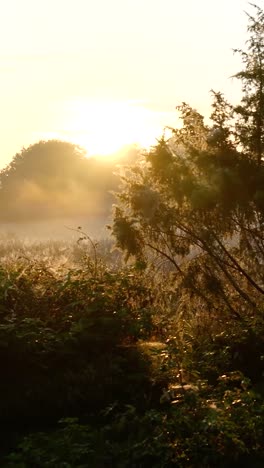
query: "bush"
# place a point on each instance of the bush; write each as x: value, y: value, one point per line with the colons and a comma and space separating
x: 226, y: 431
x: 68, y: 342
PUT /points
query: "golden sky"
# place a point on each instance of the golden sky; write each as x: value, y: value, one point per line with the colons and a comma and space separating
x: 104, y: 73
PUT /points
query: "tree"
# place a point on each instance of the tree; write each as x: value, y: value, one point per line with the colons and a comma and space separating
x: 54, y: 179
x: 250, y: 122
x: 197, y: 199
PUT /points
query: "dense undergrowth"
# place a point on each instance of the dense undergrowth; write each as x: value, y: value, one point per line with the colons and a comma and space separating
x: 97, y: 370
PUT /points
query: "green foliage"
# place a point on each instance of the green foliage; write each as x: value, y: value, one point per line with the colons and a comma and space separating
x: 79, y: 346
x: 250, y: 122
x: 68, y: 341
x: 194, y: 431
x: 196, y: 201
x: 216, y: 347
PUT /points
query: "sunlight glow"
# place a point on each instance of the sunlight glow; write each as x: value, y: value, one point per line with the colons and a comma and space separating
x: 81, y: 81
x: 104, y: 127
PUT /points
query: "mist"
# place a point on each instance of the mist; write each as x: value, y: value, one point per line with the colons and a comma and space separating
x: 52, y: 187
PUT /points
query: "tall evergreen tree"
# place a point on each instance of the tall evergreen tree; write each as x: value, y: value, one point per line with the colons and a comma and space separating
x: 250, y: 113
x: 197, y: 200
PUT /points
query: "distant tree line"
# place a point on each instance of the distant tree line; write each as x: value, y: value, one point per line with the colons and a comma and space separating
x: 56, y: 179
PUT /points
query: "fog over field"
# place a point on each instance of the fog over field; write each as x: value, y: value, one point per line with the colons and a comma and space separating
x: 56, y: 229
x: 52, y: 187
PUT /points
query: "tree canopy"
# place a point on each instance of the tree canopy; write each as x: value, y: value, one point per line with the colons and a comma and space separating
x: 55, y: 179
x: 197, y: 199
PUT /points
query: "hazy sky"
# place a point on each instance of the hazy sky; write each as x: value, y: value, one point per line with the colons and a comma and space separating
x: 108, y: 72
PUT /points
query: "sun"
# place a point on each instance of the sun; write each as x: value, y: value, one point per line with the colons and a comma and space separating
x: 104, y: 127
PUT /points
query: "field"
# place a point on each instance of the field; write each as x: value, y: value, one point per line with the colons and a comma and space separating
x: 101, y: 366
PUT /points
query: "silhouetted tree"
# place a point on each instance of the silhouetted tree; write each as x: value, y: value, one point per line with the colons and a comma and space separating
x: 55, y: 178
x: 198, y: 201
x: 250, y: 113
